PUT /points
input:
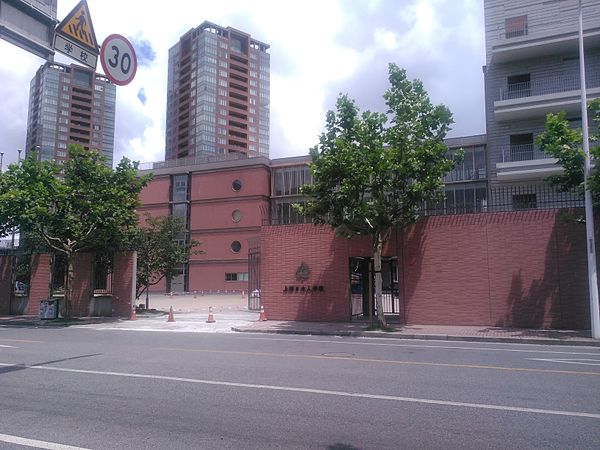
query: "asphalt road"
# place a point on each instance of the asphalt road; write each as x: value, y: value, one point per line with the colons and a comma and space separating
x: 74, y: 387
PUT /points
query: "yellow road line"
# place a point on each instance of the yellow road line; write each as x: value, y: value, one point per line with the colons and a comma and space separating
x: 385, y: 361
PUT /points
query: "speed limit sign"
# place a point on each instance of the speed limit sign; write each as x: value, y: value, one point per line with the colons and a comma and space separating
x: 118, y: 59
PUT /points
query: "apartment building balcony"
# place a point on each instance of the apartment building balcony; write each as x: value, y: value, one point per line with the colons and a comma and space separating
x: 526, y: 162
x: 522, y: 40
x: 537, y: 98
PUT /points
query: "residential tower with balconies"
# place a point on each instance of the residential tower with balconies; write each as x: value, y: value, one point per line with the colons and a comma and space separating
x: 532, y: 69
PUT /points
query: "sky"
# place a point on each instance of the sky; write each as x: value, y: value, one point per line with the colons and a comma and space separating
x: 319, y: 49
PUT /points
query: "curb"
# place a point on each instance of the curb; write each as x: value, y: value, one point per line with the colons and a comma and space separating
x: 430, y: 337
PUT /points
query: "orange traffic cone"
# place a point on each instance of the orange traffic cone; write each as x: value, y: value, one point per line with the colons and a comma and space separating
x: 133, y: 315
x: 211, y: 318
x: 262, y: 316
x: 171, y: 318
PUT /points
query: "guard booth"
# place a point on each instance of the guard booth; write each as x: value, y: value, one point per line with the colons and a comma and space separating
x: 362, y: 289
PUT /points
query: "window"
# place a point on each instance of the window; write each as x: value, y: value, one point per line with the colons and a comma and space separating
x: 288, y: 180
x: 180, y: 210
x: 236, y: 215
x: 236, y: 246
x: 180, y: 184
x: 240, y: 276
x: 461, y: 200
x: 236, y: 185
x: 518, y: 86
x: 521, y: 147
x: 515, y: 26
x: 524, y: 201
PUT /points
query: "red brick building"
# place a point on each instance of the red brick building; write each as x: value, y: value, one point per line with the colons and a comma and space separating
x: 472, y: 267
x: 222, y: 204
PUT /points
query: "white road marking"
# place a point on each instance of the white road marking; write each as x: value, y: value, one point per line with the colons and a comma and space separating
x: 35, y: 443
x: 581, y: 361
x: 8, y: 346
x: 451, y: 347
x: 317, y: 391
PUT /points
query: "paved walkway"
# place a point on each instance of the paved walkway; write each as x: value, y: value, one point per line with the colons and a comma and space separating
x: 438, y: 332
x: 231, y: 315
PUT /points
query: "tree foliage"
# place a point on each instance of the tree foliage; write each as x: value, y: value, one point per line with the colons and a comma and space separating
x: 160, y: 251
x: 370, y: 177
x: 77, y: 205
x: 564, y: 143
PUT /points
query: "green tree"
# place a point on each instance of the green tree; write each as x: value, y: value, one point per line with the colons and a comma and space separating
x: 72, y: 206
x: 564, y: 143
x: 160, y: 251
x: 370, y: 178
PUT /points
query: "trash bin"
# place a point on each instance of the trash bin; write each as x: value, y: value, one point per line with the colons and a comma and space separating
x: 49, y: 309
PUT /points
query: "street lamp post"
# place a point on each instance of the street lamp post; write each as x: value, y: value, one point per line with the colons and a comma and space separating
x: 589, y: 213
x: 1, y: 159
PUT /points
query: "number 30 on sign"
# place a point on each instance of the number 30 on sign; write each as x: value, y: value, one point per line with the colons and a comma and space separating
x: 118, y: 59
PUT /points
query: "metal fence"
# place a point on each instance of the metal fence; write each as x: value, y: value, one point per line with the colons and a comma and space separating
x: 495, y: 199
x: 511, y: 198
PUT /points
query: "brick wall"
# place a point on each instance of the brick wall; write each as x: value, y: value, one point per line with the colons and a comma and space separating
x: 39, y: 284
x: 122, y: 284
x: 522, y: 269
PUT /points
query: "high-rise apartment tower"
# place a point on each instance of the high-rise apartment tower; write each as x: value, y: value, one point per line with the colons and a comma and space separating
x: 218, y: 94
x: 70, y: 104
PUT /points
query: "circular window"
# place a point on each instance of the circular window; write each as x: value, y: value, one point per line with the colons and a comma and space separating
x: 236, y: 215
x: 236, y: 246
x: 236, y: 185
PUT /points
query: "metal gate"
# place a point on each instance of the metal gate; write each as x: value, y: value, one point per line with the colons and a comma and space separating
x: 254, y: 275
x: 362, y: 287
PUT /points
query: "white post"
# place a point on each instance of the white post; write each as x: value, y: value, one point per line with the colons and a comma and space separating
x: 134, y: 281
x: 589, y: 213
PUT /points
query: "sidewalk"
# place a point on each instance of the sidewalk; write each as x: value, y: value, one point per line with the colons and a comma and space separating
x: 232, y: 315
x: 430, y: 332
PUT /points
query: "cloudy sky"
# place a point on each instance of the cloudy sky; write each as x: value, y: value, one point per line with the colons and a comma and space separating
x: 318, y: 50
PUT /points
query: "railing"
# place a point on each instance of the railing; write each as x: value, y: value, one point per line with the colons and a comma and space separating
x: 523, y: 152
x: 191, y: 160
x: 510, y: 198
x: 552, y: 85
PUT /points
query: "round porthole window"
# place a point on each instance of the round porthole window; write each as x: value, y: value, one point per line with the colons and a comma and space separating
x: 236, y: 185
x: 236, y: 246
x: 236, y: 215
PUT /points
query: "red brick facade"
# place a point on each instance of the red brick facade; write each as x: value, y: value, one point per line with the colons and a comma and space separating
x: 212, y: 201
x: 39, y: 284
x: 84, y: 302
x: 123, y: 279
x: 521, y: 269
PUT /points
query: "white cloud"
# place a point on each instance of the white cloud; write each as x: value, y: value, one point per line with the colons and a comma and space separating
x: 311, y: 58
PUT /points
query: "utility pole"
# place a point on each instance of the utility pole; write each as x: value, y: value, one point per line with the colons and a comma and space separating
x: 589, y: 212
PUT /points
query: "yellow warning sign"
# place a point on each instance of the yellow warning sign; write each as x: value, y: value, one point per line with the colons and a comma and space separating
x: 78, y: 26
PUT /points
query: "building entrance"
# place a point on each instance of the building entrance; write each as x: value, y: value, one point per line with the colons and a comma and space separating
x: 362, y: 288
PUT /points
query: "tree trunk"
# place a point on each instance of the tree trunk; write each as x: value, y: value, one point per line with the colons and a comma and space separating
x: 377, y: 249
x: 147, y: 299
x: 66, y: 307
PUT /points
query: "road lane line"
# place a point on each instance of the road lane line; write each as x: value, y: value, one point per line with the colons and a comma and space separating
x: 451, y: 347
x: 394, y: 398
x: 580, y: 361
x: 8, y: 346
x: 27, y: 341
x: 37, y: 444
x: 383, y: 361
